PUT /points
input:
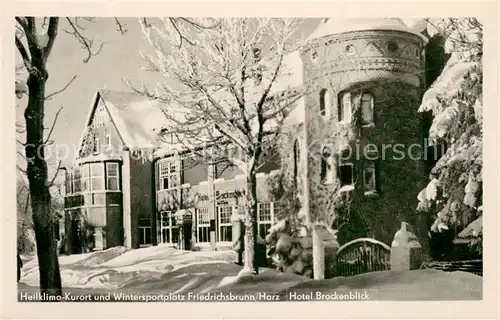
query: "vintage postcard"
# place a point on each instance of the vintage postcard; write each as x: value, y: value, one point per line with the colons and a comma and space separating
x: 182, y: 159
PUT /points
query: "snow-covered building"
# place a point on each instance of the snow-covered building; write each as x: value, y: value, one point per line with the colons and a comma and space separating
x: 368, y: 75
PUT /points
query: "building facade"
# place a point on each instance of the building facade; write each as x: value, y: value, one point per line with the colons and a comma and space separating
x: 368, y: 78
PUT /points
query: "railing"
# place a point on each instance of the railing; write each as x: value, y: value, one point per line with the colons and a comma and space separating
x: 361, y: 256
x: 471, y: 266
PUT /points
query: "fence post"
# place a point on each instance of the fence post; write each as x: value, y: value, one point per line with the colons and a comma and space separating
x: 406, y: 251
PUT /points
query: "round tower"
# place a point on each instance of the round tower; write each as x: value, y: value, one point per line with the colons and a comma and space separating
x: 364, y: 137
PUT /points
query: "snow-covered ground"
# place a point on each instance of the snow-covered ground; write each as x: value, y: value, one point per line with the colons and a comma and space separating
x: 162, y: 269
x: 117, y: 267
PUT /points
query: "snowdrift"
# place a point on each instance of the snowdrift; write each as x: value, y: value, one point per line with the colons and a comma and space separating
x: 117, y: 267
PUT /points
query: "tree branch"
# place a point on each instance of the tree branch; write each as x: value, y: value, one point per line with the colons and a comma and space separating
x: 86, y: 43
x: 48, y: 97
x: 55, y: 174
x: 53, y: 125
x: 51, y: 33
x: 24, y: 53
x: 120, y: 27
x: 181, y: 36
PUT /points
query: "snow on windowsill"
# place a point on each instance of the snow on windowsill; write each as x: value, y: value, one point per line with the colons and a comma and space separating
x: 368, y: 125
x: 371, y: 193
x: 347, y: 188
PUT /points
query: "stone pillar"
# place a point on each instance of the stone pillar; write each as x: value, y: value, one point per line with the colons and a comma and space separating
x: 212, y: 207
x: 126, y: 201
x: 406, y: 251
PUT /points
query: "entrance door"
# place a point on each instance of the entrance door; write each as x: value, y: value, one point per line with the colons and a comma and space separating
x: 187, y: 235
x: 76, y: 237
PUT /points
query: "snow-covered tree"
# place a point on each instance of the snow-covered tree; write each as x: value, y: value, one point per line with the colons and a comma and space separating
x: 221, y: 87
x: 454, y: 193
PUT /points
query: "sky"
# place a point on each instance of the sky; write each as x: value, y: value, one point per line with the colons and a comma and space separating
x: 120, y: 58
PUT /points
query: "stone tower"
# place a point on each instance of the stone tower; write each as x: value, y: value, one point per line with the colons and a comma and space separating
x: 362, y: 130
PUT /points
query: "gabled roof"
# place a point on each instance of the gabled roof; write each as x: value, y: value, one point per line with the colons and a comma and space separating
x: 136, y: 118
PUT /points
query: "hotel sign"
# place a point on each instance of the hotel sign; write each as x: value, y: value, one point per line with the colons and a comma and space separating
x: 222, y: 197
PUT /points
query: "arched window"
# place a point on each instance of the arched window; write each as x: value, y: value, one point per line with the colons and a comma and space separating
x: 344, y: 108
x: 324, y: 103
x: 326, y: 165
x: 296, y: 158
x: 366, y: 109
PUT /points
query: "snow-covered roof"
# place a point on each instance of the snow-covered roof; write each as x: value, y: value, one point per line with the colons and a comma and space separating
x: 336, y: 26
x: 474, y: 229
x: 137, y: 119
x: 99, y: 158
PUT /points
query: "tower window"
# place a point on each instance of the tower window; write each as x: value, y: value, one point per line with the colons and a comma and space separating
x: 392, y: 47
x: 369, y: 179
x: 346, y: 174
x: 327, y: 175
x: 366, y: 109
x: 324, y: 103
x: 345, y: 107
x: 349, y: 49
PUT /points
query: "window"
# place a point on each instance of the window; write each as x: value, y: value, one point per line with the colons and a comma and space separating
x: 265, y: 217
x: 169, y: 178
x: 101, y: 117
x: 97, y: 146
x: 169, y: 230
x: 85, y: 177
x: 345, y: 108
x: 346, y: 174
x: 203, y: 225
x: 366, y: 109
x: 68, y: 182
x: 369, y: 179
x: 112, y: 176
x: 77, y: 187
x: 327, y: 175
x: 107, y: 138
x: 324, y: 103
x: 96, y: 176
x: 144, y: 231
x: 225, y: 225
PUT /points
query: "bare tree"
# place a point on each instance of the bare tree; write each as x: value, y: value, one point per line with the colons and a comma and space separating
x: 34, y: 39
x: 220, y: 87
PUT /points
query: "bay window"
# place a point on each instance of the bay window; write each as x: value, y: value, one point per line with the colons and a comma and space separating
x: 85, y: 177
x: 225, y: 224
x: 77, y: 187
x: 112, y: 176
x: 96, y: 176
x: 69, y: 189
x: 203, y: 225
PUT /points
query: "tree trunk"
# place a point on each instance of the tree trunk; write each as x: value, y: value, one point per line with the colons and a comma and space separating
x: 318, y: 251
x: 43, y: 218
x: 251, y: 263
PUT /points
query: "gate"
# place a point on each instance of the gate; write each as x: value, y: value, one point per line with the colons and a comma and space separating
x: 361, y: 256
